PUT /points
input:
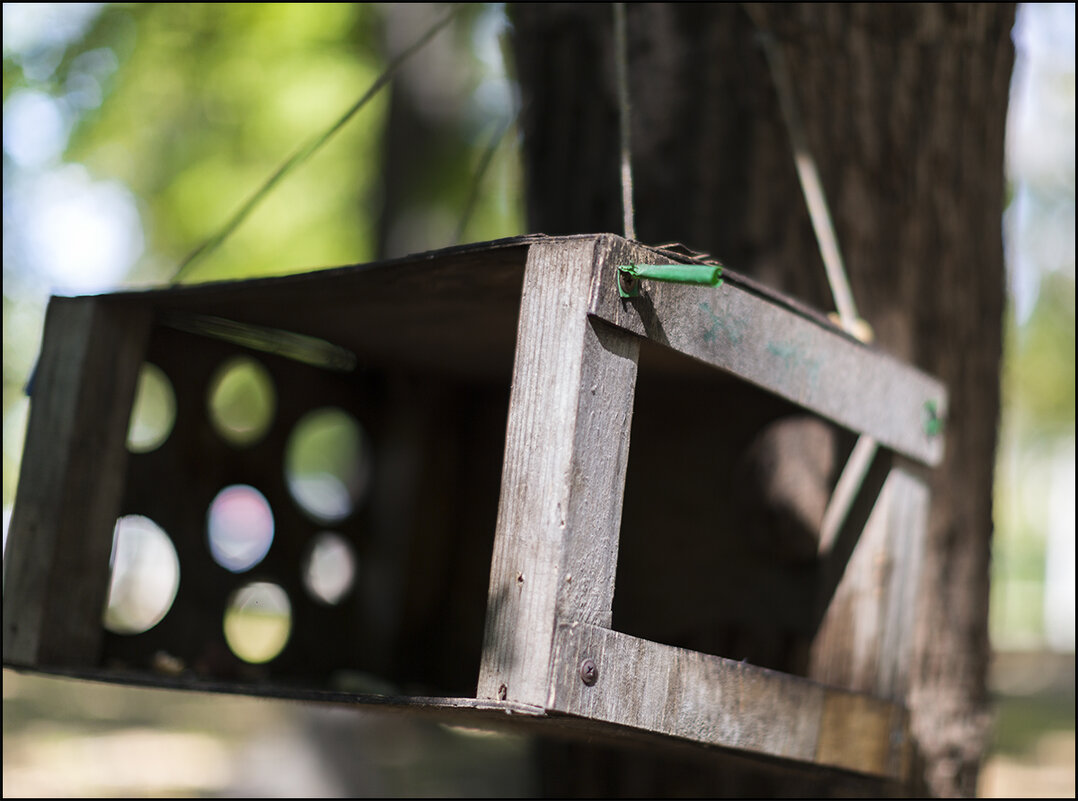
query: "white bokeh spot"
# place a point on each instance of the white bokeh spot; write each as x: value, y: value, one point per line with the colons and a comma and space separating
x: 82, y: 235
x: 35, y: 128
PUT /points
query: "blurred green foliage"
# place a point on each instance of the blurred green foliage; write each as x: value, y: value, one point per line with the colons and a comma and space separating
x: 200, y: 103
x: 1021, y: 719
x: 208, y: 99
x: 1038, y: 372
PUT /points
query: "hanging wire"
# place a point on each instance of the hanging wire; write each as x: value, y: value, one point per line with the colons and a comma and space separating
x: 865, y: 449
x: 311, y: 147
x: 811, y: 187
x: 481, y: 170
x: 621, y: 58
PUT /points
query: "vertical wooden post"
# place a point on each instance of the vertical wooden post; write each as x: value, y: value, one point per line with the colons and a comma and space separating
x: 56, y: 568
x: 865, y: 641
x: 566, y: 449
x: 903, y: 555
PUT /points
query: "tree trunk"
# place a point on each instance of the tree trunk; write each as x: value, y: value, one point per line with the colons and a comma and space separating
x: 427, y: 160
x: 904, y: 108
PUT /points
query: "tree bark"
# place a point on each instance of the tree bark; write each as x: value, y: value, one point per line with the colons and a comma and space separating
x: 904, y: 108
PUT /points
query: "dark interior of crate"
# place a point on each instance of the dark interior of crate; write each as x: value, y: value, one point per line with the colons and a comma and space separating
x: 430, y: 393
x: 706, y: 562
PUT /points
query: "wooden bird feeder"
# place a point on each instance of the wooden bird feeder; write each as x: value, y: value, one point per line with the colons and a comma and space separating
x: 474, y: 541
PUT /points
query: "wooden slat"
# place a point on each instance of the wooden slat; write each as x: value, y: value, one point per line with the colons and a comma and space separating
x: 449, y: 311
x: 56, y: 568
x: 597, y: 482
x: 535, y: 472
x: 600, y: 455
x: 790, y: 354
x: 907, y: 534
x: 865, y: 641
x: 716, y: 701
x: 843, y: 532
x: 563, y: 473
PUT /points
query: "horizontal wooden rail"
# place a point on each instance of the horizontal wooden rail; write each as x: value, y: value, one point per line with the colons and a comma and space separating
x: 737, y: 328
x: 715, y: 701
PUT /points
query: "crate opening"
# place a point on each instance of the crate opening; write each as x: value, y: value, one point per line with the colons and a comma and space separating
x: 328, y: 529
x: 703, y: 513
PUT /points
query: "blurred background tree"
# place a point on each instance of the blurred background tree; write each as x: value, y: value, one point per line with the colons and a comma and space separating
x: 133, y: 131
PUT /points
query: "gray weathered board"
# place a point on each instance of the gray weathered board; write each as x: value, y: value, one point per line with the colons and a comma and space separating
x: 546, y: 310
x: 71, y: 481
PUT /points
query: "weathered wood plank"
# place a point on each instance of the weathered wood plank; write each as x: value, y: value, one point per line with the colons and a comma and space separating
x: 797, y: 358
x: 597, y: 483
x: 56, y: 568
x: 907, y: 531
x: 720, y: 702
x: 865, y: 734
x: 848, y: 515
x: 449, y: 311
x: 865, y: 640
x: 563, y: 474
x: 536, y: 472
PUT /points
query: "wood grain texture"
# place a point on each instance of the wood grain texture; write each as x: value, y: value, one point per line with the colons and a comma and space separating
x: 600, y: 455
x: 873, y: 611
x: 721, y: 702
x: 537, y: 472
x: 735, y: 329
x: 56, y: 566
x: 452, y: 311
x: 563, y: 477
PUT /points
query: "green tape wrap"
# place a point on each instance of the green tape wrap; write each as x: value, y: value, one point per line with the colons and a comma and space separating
x: 698, y: 274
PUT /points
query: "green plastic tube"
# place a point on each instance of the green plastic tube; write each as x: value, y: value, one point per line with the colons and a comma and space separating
x: 699, y: 274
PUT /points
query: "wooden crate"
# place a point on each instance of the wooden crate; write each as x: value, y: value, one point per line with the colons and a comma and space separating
x: 497, y: 384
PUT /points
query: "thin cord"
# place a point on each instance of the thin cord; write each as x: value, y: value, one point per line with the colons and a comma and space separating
x: 484, y: 162
x: 310, y: 149
x: 622, y: 62
x: 811, y: 187
x: 865, y: 449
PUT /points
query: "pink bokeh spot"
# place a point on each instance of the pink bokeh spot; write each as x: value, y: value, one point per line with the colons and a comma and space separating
x: 240, y: 527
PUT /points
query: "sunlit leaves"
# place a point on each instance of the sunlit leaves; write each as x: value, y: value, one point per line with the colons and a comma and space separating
x: 1039, y: 373
x: 212, y: 99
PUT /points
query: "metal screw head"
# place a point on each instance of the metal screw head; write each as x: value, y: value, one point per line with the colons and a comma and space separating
x: 589, y: 673
x: 628, y: 287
